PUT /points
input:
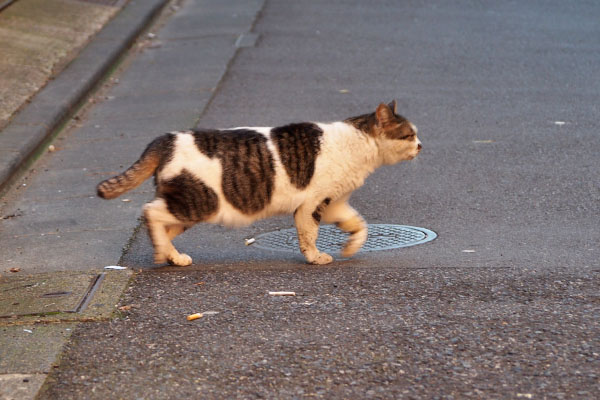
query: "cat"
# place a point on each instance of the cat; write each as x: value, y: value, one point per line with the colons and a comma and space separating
x: 236, y: 176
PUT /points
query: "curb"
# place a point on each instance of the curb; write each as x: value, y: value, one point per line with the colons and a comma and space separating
x: 35, y: 124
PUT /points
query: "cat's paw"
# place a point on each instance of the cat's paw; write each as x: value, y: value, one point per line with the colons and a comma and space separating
x: 182, y: 260
x: 322, y: 259
x: 348, y: 252
x: 350, y: 249
x: 354, y: 244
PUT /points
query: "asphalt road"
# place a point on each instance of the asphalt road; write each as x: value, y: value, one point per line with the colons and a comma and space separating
x: 349, y: 332
x: 503, y: 95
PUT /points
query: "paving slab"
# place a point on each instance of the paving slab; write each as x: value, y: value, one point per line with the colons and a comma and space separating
x: 20, y: 386
x: 66, y: 296
x: 32, y: 348
x: 39, y: 313
x: 37, y: 295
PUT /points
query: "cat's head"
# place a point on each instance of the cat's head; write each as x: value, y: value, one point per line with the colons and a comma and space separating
x: 395, y: 135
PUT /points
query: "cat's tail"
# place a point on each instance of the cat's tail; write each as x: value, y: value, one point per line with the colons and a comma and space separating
x: 141, y: 170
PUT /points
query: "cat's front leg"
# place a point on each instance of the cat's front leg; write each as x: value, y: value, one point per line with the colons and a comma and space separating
x: 349, y: 220
x: 162, y: 227
x: 307, y: 218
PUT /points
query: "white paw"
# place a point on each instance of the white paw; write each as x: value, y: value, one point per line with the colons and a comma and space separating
x: 182, y: 260
x: 354, y: 244
x: 350, y: 249
x: 322, y: 259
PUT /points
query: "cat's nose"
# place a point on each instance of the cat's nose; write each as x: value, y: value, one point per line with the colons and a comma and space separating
x: 419, y: 147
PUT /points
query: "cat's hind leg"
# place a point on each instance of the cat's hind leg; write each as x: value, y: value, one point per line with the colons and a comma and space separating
x: 307, y: 218
x: 162, y: 227
x: 349, y: 220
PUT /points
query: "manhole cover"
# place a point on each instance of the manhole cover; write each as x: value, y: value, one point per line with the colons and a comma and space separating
x: 332, y: 239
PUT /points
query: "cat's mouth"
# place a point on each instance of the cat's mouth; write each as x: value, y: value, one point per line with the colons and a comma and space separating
x: 415, y: 154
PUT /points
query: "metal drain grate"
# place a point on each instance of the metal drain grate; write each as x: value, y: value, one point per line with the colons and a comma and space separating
x: 332, y: 239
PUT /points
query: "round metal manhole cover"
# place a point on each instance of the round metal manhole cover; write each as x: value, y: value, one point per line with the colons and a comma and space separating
x: 332, y: 239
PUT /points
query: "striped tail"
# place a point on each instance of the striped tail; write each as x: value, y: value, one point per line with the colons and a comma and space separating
x: 141, y: 170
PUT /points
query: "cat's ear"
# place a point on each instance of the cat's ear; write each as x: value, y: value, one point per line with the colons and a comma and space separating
x: 384, y: 114
x: 393, y: 107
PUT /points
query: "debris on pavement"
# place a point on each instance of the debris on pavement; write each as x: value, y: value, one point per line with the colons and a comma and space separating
x: 51, y: 148
x: 125, y: 308
x: 194, y: 316
x: 117, y: 267
x: 248, y: 242
x: 468, y: 251
x: 28, y: 330
x: 19, y: 213
x: 282, y: 293
x: 14, y: 269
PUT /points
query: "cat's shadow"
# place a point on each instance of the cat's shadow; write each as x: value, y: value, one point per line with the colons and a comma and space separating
x: 214, y: 246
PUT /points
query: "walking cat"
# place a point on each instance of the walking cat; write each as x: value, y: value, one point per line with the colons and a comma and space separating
x: 236, y: 176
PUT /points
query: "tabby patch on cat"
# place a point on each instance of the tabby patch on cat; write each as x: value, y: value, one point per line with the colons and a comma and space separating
x: 236, y: 176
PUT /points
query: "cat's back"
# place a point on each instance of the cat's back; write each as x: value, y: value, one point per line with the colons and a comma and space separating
x: 235, y: 163
x: 261, y: 171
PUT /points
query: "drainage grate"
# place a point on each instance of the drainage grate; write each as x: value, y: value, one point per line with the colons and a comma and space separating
x: 332, y: 239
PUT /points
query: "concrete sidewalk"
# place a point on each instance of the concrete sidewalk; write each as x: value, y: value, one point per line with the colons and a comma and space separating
x: 37, y: 39
x: 47, y: 71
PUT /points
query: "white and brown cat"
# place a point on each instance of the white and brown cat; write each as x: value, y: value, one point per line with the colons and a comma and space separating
x: 236, y: 176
